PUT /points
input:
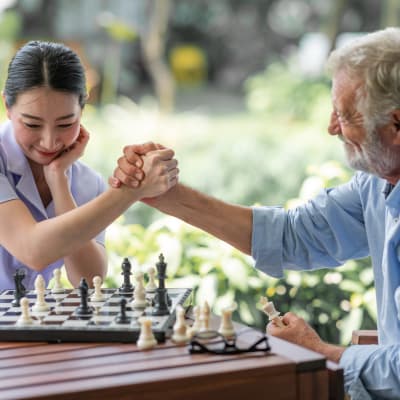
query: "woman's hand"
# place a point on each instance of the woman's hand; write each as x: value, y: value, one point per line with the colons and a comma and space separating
x: 58, y: 167
x: 160, y: 173
x: 129, y: 170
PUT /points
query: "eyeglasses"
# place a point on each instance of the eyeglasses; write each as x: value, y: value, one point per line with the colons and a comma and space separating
x: 215, y: 343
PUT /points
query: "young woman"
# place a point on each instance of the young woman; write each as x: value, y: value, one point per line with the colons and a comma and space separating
x: 53, y: 208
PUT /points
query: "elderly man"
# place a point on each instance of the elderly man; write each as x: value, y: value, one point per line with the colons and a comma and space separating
x: 354, y: 220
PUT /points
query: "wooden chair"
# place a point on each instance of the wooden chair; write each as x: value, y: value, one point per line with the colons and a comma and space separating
x: 365, y: 337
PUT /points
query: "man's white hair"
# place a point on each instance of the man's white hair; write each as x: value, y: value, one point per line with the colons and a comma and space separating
x: 374, y: 59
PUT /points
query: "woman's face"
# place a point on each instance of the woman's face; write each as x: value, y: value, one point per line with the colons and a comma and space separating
x: 45, y: 122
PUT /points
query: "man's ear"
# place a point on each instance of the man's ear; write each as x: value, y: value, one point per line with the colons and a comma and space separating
x: 396, y: 125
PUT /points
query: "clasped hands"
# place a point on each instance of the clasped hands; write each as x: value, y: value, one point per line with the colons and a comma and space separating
x: 134, y: 165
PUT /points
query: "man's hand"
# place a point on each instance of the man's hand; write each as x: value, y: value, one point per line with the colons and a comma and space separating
x: 298, y: 331
x: 129, y: 170
x: 160, y: 173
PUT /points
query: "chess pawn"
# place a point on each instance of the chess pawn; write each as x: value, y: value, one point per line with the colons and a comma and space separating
x: 139, y: 301
x: 192, y: 330
x: 97, y: 294
x: 25, y: 318
x: 269, y: 309
x: 151, y: 286
x: 226, y: 328
x: 205, y: 317
x: 57, y: 287
x: 40, y: 289
x: 146, y: 337
x: 180, y: 335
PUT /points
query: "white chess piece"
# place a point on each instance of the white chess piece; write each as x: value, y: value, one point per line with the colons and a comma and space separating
x: 151, y: 286
x: 40, y: 289
x: 139, y: 295
x: 205, y: 317
x: 97, y: 294
x: 57, y: 287
x: 192, y: 330
x: 179, y: 335
x: 146, y: 337
x: 269, y: 309
x: 24, y: 318
x: 226, y: 328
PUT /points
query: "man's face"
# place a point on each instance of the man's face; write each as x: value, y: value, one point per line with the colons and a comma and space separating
x: 367, y: 148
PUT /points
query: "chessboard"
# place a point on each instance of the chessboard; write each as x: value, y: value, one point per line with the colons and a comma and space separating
x: 62, y: 323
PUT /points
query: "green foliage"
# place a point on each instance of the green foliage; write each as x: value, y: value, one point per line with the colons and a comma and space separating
x: 280, y: 91
x: 242, y: 158
x: 10, y: 25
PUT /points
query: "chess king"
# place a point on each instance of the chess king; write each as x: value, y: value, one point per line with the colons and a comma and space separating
x: 54, y: 209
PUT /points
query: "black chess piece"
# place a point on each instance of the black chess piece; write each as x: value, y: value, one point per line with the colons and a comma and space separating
x: 161, y: 300
x: 20, y: 290
x: 122, y: 318
x: 84, y: 308
x: 126, y: 287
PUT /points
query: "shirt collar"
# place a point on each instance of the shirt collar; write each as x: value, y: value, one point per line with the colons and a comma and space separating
x: 17, y: 163
x: 392, y: 193
x: 387, y: 189
x: 16, y: 160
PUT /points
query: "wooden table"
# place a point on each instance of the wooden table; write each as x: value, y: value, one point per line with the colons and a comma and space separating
x: 120, y: 371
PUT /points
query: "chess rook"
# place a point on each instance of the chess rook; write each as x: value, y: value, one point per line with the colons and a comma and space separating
x: 226, y: 328
x: 146, y: 339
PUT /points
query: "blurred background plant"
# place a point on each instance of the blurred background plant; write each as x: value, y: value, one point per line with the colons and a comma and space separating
x: 238, y: 89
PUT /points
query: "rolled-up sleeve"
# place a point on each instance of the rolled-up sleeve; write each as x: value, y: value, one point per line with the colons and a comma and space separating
x: 372, y: 371
x: 267, y: 235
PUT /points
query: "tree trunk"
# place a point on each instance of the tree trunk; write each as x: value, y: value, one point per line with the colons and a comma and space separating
x: 153, y: 46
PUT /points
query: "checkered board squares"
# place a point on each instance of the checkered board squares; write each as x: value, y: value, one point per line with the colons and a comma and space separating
x: 62, y: 324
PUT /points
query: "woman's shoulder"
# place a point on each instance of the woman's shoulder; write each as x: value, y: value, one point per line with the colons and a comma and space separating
x: 5, y: 131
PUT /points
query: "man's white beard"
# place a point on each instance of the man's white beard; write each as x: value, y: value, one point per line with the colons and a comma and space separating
x: 374, y: 156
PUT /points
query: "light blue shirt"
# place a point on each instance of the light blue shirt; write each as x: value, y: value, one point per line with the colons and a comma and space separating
x: 350, y: 221
x: 16, y: 182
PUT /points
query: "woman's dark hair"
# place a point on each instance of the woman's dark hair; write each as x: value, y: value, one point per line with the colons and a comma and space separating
x: 44, y: 64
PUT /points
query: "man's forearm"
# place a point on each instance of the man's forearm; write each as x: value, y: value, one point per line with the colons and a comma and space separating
x: 330, y: 351
x: 228, y: 222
